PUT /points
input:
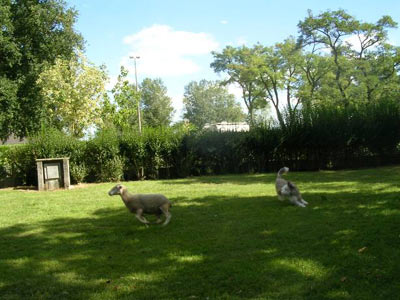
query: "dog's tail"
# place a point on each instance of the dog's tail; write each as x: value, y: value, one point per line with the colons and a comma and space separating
x: 282, y: 171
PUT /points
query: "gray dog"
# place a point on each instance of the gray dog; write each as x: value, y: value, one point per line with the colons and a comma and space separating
x: 288, y: 190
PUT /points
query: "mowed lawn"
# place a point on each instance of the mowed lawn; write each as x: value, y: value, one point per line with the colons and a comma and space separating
x: 229, y: 238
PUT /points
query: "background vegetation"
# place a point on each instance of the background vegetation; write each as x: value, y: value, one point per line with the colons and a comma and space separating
x: 334, y: 89
x: 319, y: 138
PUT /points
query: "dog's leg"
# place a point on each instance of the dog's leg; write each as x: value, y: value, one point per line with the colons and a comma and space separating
x: 294, y: 201
x: 304, y: 201
x: 298, y: 203
x: 281, y: 198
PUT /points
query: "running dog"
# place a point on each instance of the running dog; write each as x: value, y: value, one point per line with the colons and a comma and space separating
x: 288, y: 190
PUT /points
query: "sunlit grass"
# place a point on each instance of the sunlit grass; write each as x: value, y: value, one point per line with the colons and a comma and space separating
x: 229, y: 238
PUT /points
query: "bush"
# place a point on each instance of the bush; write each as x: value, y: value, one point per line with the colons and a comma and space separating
x: 132, y: 148
x: 213, y: 152
x: 7, y: 175
x: 5, y: 164
x: 78, y: 172
x: 159, y: 146
x: 111, y: 170
x: 20, y: 165
x: 321, y: 137
x: 101, y: 152
x: 155, y: 151
x: 52, y: 143
x: 260, y: 148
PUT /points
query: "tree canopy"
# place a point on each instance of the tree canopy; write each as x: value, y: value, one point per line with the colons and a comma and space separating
x: 33, y: 35
x: 336, y: 60
x: 73, y: 92
x: 121, y: 110
x: 156, y: 105
x: 210, y: 102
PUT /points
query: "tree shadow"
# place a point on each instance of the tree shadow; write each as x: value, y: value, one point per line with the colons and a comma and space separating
x: 215, y: 247
x: 387, y: 175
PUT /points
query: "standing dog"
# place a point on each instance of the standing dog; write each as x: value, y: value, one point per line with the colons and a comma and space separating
x: 288, y: 190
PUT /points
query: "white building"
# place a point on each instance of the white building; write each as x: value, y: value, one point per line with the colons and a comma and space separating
x: 12, y: 140
x: 225, y: 126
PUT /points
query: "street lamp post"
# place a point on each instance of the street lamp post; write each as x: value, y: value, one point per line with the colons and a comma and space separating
x: 141, y: 169
x: 138, y: 107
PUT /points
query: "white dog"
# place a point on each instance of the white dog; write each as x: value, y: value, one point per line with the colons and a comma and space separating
x: 288, y: 190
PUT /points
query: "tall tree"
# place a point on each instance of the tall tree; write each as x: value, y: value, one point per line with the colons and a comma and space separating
x: 121, y: 110
x: 278, y: 73
x: 314, y: 72
x: 73, y: 91
x: 156, y: 105
x: 330, y: 30
x: 210, y: 102
x: 354, y: 46
x: 266, y: 75
x: 33, y: 34
x: 240, y: 66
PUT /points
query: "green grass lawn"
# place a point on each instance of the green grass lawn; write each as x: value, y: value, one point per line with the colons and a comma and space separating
x: 229, y: 238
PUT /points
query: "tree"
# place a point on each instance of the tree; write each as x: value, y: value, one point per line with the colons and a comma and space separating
x: 156, y: 105
x: 356, y: 63
x: 121, y: 110
x: 314, y: 72
x: 264, y: 73
x: 33, y: 34
x: 337, y: 60
x: 210, y: 102
x: 240, y: 66
x: 278, y: 73
x: 73, y: 91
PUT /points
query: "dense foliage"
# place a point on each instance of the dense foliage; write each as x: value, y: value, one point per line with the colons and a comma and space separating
x: 156, y: 106
x: 209, y: 102
x: 336, y: 60
x: 334, y: 90
x: 33, y: 34
x: 73, y: 91
x: 320, y: 137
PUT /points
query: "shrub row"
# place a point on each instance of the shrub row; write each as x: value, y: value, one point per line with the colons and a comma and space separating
x: 317, y: 138
x: 109, y: 156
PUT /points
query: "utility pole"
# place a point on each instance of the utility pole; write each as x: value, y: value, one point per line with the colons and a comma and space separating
x: 141, y: 169
x: 136, y: 83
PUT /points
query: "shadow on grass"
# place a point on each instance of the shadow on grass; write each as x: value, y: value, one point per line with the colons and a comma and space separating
x: 365, y: 176
x: 215, y: 247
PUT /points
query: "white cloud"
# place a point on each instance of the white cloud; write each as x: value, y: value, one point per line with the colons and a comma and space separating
x: 177, y: 104
x: 239, y: 42
x: 235, y: 90
x: 164, y: 51
x: 354, y: 42
x: 223, y: 22
x: 112, y: 80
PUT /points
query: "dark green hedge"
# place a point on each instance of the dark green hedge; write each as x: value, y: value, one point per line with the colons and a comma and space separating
x: 315, y: 138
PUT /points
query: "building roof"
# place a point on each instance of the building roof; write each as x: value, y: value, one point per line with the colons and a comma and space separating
x: 12, y: 140
x: 228, y: 126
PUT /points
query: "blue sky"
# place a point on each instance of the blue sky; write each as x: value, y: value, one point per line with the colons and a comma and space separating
x: 174, y: 38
